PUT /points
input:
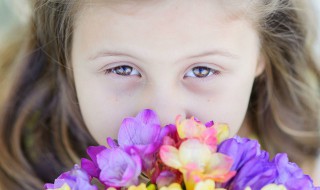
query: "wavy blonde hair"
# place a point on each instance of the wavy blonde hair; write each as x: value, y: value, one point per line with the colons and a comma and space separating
x: 42, y: 132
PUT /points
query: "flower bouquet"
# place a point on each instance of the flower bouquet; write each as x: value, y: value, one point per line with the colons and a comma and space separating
x: 188, y: 155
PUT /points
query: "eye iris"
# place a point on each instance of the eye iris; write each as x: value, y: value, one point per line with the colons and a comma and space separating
x: 201, y: 71
x: 123, y: 70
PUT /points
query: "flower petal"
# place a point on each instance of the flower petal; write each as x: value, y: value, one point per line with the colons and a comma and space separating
x: 218, y: 168
x: 274, y: 187
x: 189, y: 128
x: 290, y: 175
x: 142, y: 186
x: 130, y: 135
x: 165, y: 178
x: 118, y: 168
x: 170, y: 156
x: 174, y: 186
x: 240, y: 149
x: 207, y: 185
x: 90, y: 167
x: 222, y: 132
x: 92, y: 151
x: 74, y: 179
x: 148, y: 116
x: 112, y: 143
x: 256, y: 173
x: 192, y: 151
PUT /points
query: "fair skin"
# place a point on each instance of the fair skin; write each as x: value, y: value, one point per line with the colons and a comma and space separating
x: 175, y: 57
x: 160, y: 44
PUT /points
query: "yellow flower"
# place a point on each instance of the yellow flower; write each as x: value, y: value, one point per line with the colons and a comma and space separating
x: 271, y: 187
x: 196, y: 162
x: 65, y: 186
x: 222, y: 132
x: 274, y: 187
x: 173, y: 186
x: 206, y: 185
x: 142, y: 186
x: 189, y: 128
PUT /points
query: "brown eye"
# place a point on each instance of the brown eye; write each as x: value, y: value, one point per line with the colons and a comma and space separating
x: 201, y: 72
x: 123, y: 70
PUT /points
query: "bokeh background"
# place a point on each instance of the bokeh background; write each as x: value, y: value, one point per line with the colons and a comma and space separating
x: 12, y: 14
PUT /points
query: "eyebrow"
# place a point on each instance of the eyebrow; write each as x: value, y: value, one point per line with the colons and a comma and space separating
x: 109, y: 53
x: 215, y: 52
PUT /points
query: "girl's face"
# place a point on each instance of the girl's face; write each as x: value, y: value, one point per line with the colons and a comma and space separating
x: 175, y: 57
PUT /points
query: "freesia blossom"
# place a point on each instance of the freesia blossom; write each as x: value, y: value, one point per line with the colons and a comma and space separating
x: 207, y: 185
x: 76, y: 179
x: 240, y: 149
x: 165, y: 178
x: 119, y: 168
x: 142, y: 186
x: 196, y: 162
x: 64, y: 187
x: 256, y: 173
x: 271, y: 187
x: 290, y: 175
x: 143, y: 133
x: 254, y: 168
x: 91, y: 167
x: 210, y: 134
x: 173, y: 186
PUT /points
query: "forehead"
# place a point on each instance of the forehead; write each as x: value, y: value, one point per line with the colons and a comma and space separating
x: 160, y: 26
x: 232, y: 9
x: 134, y: 5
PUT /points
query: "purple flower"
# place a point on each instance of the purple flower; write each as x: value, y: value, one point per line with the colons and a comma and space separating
x: 240, y: 149
x: 91, y: 167
x: 76, y: 179
x: 143, y: 133
x: 255, y: 173
x: 255, y: 170
x: 290, y: 175
x: 118, y: 168
x: 165, y: 178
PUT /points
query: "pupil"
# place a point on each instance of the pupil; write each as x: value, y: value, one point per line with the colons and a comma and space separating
x: 201, y: 71
x: 123, y: 70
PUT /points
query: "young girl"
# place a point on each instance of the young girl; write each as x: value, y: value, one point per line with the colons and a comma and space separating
x: 82, y: 66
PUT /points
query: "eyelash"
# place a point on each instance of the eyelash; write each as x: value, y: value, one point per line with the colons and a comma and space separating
x: 113, y: 70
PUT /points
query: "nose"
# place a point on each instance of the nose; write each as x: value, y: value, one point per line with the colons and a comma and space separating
x: 167, y: 112
x: 167, y: 103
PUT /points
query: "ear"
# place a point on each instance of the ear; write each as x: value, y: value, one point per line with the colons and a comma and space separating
x: 261, y: 65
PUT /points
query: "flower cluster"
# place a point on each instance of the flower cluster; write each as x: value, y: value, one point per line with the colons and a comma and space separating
x: 188, y: 155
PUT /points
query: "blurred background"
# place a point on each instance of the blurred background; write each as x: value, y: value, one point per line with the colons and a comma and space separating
x: 17, y: 12
x: 13, y: 13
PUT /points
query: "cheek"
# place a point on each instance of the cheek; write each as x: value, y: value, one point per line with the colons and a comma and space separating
x: 99, y: 103
x: 234, y: 104
x: 229, y: 103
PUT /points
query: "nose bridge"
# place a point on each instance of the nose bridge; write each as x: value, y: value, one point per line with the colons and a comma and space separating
x: 167, y: 101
